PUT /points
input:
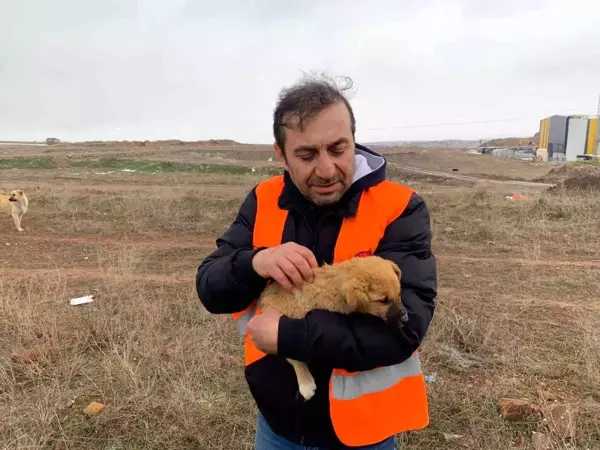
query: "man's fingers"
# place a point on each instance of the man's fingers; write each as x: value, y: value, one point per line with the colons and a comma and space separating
x: 305, y: 252
x: 309, y: 256
x: 291, y: 271
x: 278, y: 275
x: 303, y: 266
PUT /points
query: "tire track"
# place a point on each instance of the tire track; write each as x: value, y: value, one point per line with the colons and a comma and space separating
x: 469, y: 178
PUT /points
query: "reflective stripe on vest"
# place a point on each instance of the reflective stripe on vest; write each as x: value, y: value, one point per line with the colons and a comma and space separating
x: 369, y: 406
x: 351, y: 386
x: 241, y: 320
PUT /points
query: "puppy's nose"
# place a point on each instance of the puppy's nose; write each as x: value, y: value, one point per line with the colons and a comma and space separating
x: 404, y: 318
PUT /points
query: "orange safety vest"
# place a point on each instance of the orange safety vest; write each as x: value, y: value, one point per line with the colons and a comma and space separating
x: 369, y: 406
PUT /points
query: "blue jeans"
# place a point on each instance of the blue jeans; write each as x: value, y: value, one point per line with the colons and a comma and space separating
x: 266, y: 439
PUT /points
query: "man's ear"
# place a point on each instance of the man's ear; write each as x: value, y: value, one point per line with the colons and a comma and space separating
x: 354, y: 294
x: 281, y: 156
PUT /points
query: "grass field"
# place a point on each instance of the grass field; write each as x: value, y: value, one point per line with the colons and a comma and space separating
x: 518, y: 309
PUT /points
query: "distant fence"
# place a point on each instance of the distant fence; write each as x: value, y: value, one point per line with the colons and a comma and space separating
x: 526, y: 154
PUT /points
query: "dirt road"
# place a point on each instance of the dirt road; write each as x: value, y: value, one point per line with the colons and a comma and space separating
x: 469, y: 178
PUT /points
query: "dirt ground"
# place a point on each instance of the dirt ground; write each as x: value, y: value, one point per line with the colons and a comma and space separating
x: 518, y: 307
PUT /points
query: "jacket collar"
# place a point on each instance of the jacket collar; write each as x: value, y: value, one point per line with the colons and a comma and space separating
x: 373, y: 174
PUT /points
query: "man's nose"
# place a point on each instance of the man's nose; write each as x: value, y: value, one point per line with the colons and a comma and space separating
x: 325, y: 168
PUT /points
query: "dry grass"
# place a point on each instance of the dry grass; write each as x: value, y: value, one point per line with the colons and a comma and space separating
x: 169, y: 373
x: 172, y: 210
x: 515, y: 317
x: 560, y: 225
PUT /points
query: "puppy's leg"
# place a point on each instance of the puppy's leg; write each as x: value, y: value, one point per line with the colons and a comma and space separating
x: 17, y: 221
x: 306, y: 382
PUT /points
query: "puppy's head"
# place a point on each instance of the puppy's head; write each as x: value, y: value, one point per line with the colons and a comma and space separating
x: 15, y: 196
x: 373, y: 287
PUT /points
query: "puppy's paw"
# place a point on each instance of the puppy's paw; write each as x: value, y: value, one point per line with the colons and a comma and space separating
x: 308, y: 389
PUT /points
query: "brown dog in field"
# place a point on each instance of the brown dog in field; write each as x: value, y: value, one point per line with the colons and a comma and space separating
x: 368, y: 285
x: 16, y: 205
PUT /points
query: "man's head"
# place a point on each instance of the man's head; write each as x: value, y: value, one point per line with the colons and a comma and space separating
x: 314, y: 129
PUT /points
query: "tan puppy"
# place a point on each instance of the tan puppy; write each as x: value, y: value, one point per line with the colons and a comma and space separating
x: 368, y: 285
x: 15, y: 205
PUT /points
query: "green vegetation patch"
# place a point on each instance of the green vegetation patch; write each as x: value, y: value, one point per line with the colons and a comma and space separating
x: 26, y: 162
x: 139, y: 166
x: 111, y: 163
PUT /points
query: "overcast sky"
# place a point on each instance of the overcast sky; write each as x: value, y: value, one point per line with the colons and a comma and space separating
x: 191, y: 69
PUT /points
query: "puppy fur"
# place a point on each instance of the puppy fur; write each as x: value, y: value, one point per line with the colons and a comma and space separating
x: 369, y: 285
x: 15, y: 204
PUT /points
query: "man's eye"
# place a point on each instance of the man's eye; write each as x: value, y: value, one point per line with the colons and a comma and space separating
x: 338, y: 150
x: 307, y: 157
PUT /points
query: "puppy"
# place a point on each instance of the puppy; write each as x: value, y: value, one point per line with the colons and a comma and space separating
x: 16, y: 205
x: 368, y: 285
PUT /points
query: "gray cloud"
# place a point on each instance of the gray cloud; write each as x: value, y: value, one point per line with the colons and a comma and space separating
x: 150, y: 69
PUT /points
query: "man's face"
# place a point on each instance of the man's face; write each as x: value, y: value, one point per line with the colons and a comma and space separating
x: 320, y: 158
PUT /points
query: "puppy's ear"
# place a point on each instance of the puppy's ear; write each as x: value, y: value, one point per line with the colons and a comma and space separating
x: 354, y: 293
x: 396, y: 268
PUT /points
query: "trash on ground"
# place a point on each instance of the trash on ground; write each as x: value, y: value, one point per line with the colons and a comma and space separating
x: 431, y: 378
x: 516, y: 196
x: 81, y: 300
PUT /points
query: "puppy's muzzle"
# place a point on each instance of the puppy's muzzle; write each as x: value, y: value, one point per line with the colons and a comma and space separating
x: 12, y: 198
x: 396, y: 316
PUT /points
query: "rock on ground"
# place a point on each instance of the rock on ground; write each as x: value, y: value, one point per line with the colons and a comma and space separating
x: 515, y: 408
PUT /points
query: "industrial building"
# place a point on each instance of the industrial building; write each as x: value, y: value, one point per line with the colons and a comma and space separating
x: 570, y: 138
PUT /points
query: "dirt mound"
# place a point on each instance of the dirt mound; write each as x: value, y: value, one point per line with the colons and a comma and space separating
x: 511, y: 142
x: 163, y: 143
x: 574, y: 177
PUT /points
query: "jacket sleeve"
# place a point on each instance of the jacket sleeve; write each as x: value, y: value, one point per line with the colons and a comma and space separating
x: 359, y: 342
x: 225, y: 281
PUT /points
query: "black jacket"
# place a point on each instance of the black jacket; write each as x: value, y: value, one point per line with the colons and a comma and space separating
x: 226, y: 283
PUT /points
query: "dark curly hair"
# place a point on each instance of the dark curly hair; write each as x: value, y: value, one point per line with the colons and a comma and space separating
x: 300, y: 103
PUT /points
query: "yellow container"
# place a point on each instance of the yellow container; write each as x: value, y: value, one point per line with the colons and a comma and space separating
x: 544, y: 133
x: 591, y: 140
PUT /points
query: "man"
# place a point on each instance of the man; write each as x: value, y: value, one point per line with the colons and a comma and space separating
x: 332, y: 203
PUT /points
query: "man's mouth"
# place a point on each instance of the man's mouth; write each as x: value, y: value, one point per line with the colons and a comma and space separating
x: 326, y: 188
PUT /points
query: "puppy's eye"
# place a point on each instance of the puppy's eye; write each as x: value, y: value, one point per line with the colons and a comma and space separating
x: 385, y: 301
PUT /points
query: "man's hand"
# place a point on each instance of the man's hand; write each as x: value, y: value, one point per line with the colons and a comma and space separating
x: 289, y: 264
x: 264, y: 329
